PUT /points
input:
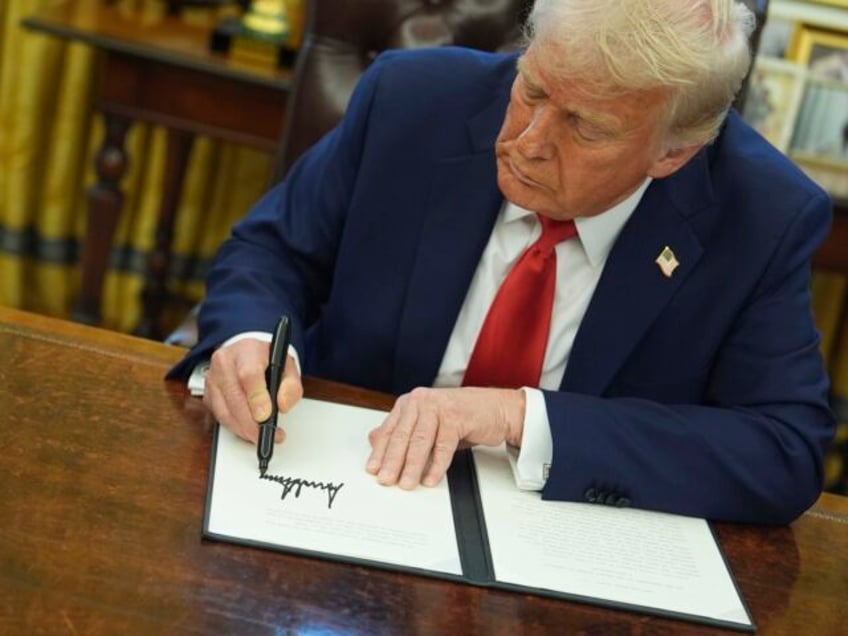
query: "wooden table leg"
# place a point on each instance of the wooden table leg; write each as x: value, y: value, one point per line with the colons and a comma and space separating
x: 105, y: 201
x: 155, y: 291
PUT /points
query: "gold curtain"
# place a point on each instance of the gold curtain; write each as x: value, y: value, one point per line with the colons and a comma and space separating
x: 48, y: 136
x: 830, y: 307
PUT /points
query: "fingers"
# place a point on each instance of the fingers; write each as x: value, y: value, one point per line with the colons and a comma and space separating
x: 419, y: 448
x: 379, y: 438
x: 291, y: 388
x: 236, y: 392
x: 417, y: 441
x: 413, y: 439
x: 290, y: 393
x: 398, y: 452
x: 443, y: 450
x: 258, y: 400
x: 235, y: 388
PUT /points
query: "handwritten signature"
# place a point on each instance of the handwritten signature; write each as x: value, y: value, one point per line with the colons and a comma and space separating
x: 295, y: 484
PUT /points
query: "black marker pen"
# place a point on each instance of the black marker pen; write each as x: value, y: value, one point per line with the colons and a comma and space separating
x: 273, y: 377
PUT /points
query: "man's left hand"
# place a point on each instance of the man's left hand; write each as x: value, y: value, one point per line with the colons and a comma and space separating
x: 416, y: 442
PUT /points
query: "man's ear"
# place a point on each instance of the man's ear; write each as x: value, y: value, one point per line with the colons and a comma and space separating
x: 672, y: 161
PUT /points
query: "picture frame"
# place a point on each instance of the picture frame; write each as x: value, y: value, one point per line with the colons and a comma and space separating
x: 834, y: 3
x: 821, y: 129
x: 776, y: 35
x: 774, y: 96
x: 823, y: 52
x: 820, y: 139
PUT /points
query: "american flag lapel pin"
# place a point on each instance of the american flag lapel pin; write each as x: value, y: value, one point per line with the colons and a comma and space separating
x: 667, y: 261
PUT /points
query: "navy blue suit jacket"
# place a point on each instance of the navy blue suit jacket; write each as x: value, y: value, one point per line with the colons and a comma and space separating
x: 702, y: 394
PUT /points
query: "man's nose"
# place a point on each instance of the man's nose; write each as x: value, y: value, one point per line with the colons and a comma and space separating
x: 536, y: 140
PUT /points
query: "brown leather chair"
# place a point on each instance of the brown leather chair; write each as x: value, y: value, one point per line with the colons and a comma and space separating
x: 344, y: 36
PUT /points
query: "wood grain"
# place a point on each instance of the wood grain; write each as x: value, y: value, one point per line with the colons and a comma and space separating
x: 102, y: 489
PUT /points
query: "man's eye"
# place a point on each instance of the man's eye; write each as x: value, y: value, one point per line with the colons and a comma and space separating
x: 587, y: 131
x: 533, y: 93
x: 589, y: 134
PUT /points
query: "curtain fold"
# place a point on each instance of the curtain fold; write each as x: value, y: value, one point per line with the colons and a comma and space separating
x: 49, y: 134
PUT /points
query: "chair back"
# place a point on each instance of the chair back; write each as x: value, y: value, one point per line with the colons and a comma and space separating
x: 343, y: 37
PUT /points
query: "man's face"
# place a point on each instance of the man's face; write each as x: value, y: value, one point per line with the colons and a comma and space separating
x: 564, y: 154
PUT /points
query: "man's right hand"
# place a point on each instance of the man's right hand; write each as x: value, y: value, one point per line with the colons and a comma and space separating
x: 235, y: 390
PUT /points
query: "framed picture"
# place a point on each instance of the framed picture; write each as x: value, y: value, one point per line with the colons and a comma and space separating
x: 823, y: 52
x: 820, y: 139
x: 776, y: 36
x: 821, y: 129
x: 774, y: 95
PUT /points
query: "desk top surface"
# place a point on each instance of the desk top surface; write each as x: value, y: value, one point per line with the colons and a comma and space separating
x: 102, y: 490
x: 150, y: 33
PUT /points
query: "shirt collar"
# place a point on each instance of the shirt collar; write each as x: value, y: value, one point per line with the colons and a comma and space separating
x: 597, y: 233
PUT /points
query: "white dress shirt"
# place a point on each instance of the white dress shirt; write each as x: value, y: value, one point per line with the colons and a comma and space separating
x: 579, y: 266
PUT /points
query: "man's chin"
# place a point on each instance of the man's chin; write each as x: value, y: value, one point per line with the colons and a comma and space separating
x: 519, y: 194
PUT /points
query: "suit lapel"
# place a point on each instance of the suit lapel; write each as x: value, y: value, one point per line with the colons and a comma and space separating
x: 633, y: 290
x: 453, y: 237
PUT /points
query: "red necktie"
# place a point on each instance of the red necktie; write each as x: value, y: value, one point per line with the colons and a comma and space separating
x: 511, y: 346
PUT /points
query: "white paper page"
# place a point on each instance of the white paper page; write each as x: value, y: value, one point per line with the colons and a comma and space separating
x: 347, y: 513
x: 643, y: 558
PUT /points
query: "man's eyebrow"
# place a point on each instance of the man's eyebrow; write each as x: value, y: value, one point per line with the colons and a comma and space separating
x: 604, y: 123
x: 528, y: 77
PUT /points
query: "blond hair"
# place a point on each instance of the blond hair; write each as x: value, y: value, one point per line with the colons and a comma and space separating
x: 696, y: 49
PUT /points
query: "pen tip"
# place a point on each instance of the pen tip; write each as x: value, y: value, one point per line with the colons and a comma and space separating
x: 263, y: 467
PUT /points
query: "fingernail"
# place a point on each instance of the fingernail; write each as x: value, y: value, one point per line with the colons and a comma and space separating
x: 407, y: 483
x: 372, y: 466
x: 261, y: 412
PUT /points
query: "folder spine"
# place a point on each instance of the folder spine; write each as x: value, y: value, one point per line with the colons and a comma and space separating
x: 471, y: 537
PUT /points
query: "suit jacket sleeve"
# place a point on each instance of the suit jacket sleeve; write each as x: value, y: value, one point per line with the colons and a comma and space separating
x: 274, y: 262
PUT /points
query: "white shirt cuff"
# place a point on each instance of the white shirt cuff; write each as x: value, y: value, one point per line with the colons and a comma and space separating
x: 197, y: 379
x: 530, y: 463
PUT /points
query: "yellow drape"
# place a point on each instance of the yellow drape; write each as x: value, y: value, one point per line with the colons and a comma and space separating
x: 48, y: 137
x: 49, y: 134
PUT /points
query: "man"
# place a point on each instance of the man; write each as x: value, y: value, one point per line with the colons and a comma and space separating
x: 677, y: 368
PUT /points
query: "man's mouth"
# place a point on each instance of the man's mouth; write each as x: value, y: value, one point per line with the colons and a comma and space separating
x: 519, y: 174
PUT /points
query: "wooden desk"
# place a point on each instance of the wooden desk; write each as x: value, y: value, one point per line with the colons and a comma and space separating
x: 101, y: 498
x: 158, y: 71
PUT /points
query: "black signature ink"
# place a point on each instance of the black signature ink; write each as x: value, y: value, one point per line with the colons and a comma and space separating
x: 294, y: 483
